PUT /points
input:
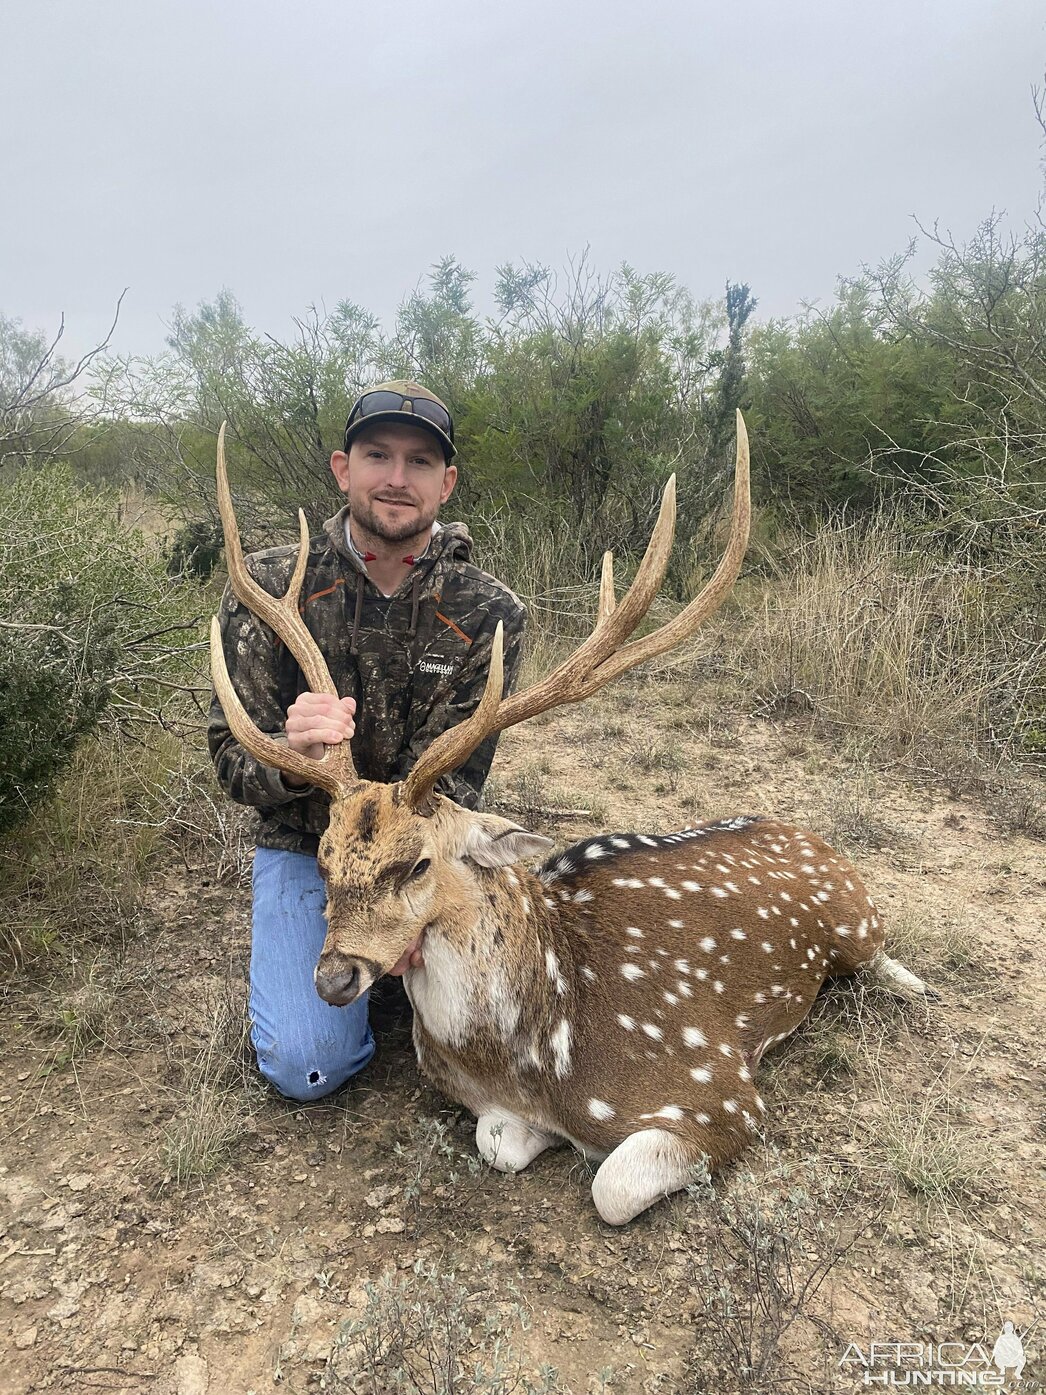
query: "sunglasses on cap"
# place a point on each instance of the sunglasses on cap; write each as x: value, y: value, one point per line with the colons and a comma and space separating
x: 375, y: 403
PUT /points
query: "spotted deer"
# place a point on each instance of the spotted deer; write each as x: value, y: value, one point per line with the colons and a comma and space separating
x: 619, y: 997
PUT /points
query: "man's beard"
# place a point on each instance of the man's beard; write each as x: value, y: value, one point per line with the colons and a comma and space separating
x: 365, y: 517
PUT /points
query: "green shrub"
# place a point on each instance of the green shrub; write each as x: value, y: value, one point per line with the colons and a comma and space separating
x: 91, y: 624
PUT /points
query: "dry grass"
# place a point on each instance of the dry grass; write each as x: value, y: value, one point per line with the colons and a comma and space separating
x: 932, y: 1157
x: 921, y: 939
x: 70, y: 875
x: 212, y: 1099
x: 904, y: 643
x: 906, y: 653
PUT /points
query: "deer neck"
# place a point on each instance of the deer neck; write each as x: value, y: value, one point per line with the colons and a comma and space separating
x: 498, y: 975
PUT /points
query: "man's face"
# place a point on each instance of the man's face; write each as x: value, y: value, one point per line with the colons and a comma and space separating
x: 395, y: 479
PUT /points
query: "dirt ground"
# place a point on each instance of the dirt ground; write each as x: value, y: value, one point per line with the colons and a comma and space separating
x: 897, y: 1196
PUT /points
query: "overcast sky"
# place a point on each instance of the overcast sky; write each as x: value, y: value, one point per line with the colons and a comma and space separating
x: 308, y: 151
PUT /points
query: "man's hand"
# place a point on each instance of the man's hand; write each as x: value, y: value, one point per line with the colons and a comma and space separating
x: 316, y: 720
x: 411, y: 958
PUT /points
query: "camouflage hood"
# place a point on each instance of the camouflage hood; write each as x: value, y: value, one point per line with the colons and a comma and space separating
x: 416, y: 663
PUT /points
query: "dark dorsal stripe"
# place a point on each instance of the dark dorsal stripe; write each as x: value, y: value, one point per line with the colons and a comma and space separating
x: 592, y: 851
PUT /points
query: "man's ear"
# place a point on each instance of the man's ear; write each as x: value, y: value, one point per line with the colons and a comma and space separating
x: 450, y: 478
x: 496, y: 842
x: 340, y: 470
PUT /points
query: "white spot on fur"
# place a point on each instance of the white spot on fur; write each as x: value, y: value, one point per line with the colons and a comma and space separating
x: 629, y: 1023
x: 701, y: 1074
x: 693, y: 1036
x: 560, y: 1042
x: 599, y: 1109
x: 632, y: 972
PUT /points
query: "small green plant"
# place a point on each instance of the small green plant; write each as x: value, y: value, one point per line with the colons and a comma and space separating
x: 931, y: 1157
x: 432, y: 1156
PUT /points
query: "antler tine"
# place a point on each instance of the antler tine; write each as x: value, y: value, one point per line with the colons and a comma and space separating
x: 607, y: 599
x: 712, y: 595
x: 281, y: 614
x: 601, y: 658
x: 454, y: 746
x: 277, y: 754
x: 623, y: 618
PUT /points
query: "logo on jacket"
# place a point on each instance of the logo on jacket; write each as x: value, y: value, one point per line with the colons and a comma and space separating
x: 430, y: 666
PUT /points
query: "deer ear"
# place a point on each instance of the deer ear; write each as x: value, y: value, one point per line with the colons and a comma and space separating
x: 495, y: 842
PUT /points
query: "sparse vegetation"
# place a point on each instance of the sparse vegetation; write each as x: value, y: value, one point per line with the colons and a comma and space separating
x: 429, y: 1333
x: 768, y: 1246
x: 211, y: 1100
x: 931, y: 1156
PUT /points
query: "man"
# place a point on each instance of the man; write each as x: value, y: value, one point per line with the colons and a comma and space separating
x: 406, y: 624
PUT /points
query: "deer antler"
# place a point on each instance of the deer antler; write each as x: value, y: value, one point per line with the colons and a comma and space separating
x: 604, y: 655
x: 334, y: 771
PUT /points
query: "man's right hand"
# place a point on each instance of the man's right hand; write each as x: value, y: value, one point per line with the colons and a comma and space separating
x: 315, y: 721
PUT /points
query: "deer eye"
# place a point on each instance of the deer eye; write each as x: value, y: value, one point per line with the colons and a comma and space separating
x: 420, y: 868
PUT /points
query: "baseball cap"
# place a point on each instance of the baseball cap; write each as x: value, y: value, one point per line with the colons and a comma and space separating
x: 404, y: 402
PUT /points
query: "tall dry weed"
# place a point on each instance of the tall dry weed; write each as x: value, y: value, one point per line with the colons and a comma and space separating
x: 907, y: 646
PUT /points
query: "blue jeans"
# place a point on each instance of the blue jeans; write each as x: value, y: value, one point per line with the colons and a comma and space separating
x: 305, y: 1047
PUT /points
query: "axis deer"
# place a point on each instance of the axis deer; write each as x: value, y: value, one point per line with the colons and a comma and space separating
x: 621, y: 996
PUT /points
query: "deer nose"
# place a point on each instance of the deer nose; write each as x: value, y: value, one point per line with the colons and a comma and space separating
x: 338, y: 981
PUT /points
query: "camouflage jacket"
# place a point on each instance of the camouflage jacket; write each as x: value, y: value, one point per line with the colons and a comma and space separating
x: 416, y: 663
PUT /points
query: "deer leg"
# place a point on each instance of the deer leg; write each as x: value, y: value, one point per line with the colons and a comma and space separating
x: 890, y: 974
x: 508, y: 1143
x: 646, y: 1166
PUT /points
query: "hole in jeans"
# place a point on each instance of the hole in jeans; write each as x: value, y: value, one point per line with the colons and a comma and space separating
x: 315, y: 1078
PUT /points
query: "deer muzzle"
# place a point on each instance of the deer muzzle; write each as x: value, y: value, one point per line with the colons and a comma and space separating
x: 340, y: 980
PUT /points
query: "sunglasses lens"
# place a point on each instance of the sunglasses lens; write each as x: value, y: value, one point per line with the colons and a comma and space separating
x: 433, y: 412
x: 373, y: 402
